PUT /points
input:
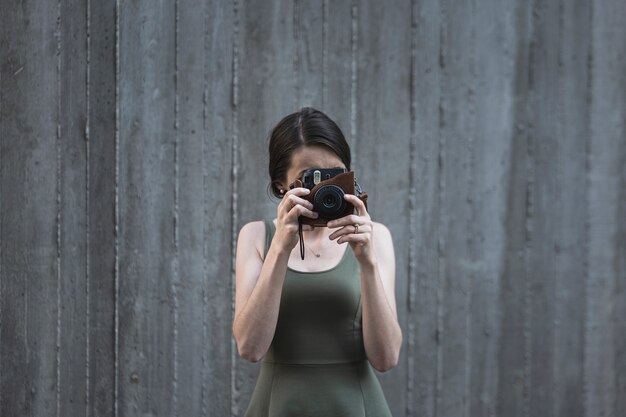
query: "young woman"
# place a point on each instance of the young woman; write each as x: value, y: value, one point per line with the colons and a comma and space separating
x: 320, y: 324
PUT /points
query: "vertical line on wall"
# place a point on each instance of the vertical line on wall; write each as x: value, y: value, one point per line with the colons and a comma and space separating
x: 205, y: 266
x: 296, y: 63
x: 1, y: 294
x: 116, y: 387
x: 176, y: 272
x: 58, y: 214
x: 87, y: 219
x: 471, y: 219
x: 528, y: 217
x: 354, y: 78
x: 586, y: 261
x: 412, y: 213
x: 441, y: 243
x: 324, y: 50
x: 559, y: 238
x: 413, y: 162
x: 234, y: 179
x: 26, y: 348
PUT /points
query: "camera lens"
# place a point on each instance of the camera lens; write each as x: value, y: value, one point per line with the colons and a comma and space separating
x: 329, y: 202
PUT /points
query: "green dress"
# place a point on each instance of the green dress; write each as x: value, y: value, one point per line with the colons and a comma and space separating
x: 316, y: 365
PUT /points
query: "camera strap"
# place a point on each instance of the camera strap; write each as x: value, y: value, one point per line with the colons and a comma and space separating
x: 301, y: 238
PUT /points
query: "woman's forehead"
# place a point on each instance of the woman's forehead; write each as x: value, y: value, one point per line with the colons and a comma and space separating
x: 318, y: 157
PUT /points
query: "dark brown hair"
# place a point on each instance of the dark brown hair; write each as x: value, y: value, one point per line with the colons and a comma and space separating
x: 307, y: 127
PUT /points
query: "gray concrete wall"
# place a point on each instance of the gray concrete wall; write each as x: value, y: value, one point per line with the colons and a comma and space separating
x: 490, y: 136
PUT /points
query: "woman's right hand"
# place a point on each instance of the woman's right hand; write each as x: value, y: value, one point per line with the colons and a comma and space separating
x: 290, y: 208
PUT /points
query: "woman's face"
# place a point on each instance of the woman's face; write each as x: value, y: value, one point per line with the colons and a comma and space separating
x: 307, y: 157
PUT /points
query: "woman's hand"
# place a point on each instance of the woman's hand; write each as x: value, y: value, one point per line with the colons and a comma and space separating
x: 290, y: 208
x: 357, y: 230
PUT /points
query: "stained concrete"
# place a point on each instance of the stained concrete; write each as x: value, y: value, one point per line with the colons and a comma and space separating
x: 133, y: 147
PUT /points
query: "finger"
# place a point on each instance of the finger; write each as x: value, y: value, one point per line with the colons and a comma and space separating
x: 297, y: 191
x: 344, y: 221
x: 358, y: 238
x: 299, y: 210
x: 348, y: 229
x: 356, y: 202
x: 292, y: 200
x: 298, y: 200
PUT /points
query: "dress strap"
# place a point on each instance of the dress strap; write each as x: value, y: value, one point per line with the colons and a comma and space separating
x: 269, y: 235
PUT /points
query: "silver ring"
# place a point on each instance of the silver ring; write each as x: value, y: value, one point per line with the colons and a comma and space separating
x: 356, y: 228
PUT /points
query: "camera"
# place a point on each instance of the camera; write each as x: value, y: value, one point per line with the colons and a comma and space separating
x: 328, y: 186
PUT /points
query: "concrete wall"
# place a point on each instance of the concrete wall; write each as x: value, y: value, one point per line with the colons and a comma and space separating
x: 489, y: 134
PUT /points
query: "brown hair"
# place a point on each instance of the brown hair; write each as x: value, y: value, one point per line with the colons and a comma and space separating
x: 306, y: 127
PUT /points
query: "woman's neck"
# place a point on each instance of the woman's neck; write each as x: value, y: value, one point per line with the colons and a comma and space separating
x: 317, y: 234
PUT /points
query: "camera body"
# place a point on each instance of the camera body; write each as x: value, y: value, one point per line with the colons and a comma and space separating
x: 328, y: 186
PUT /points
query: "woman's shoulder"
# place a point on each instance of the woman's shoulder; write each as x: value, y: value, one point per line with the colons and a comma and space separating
x: 252, y: 226
x: 253, y: 229
x: 253, y: 233
x: 383, y: 235
x: 380, y: 227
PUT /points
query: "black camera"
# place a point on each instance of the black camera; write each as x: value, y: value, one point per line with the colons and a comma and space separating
x: 328, y: 186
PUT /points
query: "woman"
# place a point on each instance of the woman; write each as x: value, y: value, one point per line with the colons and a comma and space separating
x: 321, y: 323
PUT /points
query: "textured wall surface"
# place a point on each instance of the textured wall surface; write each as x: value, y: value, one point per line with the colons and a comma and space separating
x: 489, y: 134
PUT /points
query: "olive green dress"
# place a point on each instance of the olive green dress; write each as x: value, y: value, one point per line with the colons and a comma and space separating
x: 316, y: 365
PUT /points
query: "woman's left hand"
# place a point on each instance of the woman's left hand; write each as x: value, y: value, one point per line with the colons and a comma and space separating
x: 357, y: 230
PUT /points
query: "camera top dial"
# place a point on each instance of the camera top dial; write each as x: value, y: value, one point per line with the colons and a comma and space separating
x: 313, y: 176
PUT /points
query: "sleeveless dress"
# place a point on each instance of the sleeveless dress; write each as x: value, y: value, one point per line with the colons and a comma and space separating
x: 316, y: 364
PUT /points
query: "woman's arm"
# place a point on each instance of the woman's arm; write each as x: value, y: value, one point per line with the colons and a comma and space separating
x: 258, y: 291
x: 382, y: 335
x: 259, y: 283
x: 373, y: 247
